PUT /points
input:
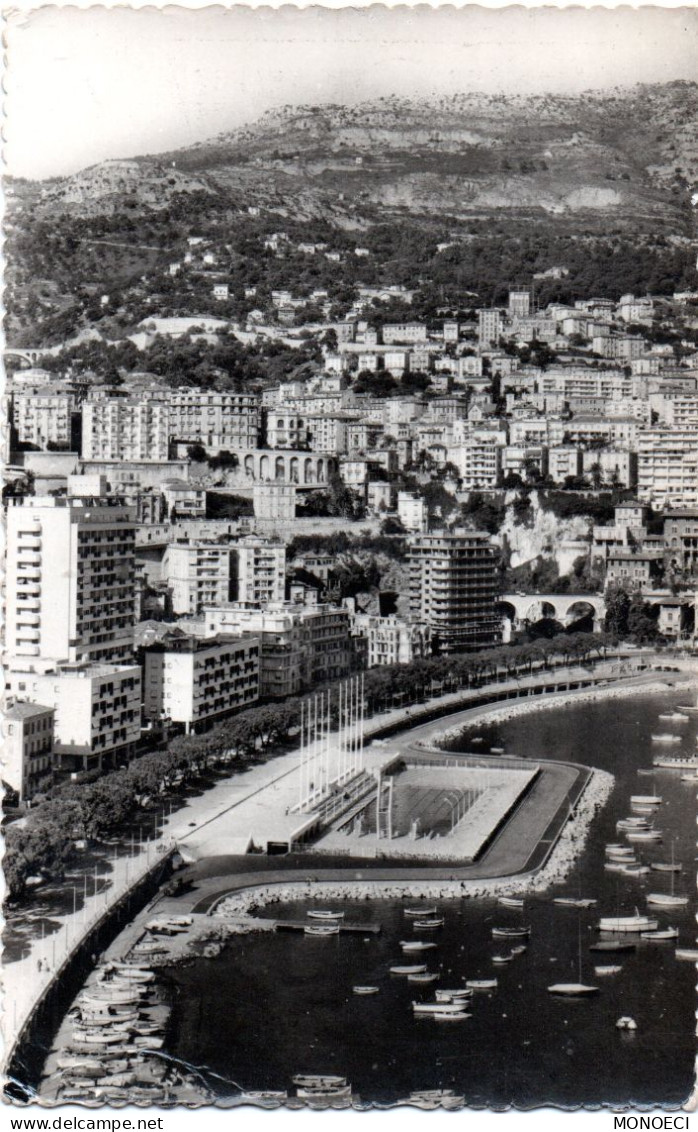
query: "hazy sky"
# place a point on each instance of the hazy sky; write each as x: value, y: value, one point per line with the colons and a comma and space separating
x: 85, y: 85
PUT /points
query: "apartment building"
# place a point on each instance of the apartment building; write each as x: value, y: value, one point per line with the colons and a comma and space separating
x: 681, y: 540
x: 479, y: 462
x: 300, y: 646
x: 489, y: 328
x: 392, y: 640
x: 519, y: 305
x: 667, y: 468
x: 44, y: 417
x: 97, y: 710
x: 27, y: 755
x: 398, y: 332
x: 564, y: 461
x: 70, y: 579
x: 286, y: 430
x: 275, y: 501
x: 453, y: 588
x: 124, y: 428
x: 197, y: 681
x: 259, y: 570
x: 198, y: 573
x: 217, y: 420
x: 634, y: 568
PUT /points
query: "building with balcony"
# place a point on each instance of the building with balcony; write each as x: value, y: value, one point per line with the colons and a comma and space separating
x: 198, y: 681
x: 453, y: 588
x: 44, y: 416
x: 70, y: 579
x: 392, y: 640
x: 217, y: 420
x: 125, y: 429
x: 97, y: 710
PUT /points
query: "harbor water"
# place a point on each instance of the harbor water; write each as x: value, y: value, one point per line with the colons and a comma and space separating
x: 276, y: 1004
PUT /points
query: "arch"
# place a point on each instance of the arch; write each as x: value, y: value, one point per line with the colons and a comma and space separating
x: 280, y: 468
x: 308, y: 476
x: 539, y: 609
x: 579, y: 609
x: 507, y: 609
x: 321, y: 471
x: 293, y: 470
x: 249, y: 466
x: 264, y: 468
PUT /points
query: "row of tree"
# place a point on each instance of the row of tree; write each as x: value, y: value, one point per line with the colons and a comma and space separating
x: 44, y: 845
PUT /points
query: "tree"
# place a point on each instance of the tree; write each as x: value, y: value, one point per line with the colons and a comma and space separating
x: 617, y: 610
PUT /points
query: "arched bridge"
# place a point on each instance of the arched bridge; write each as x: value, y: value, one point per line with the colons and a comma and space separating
x: 26, y: 355
x: 522, y: 609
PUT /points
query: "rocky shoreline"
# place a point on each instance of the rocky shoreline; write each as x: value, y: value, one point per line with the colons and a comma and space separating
x: 558, y: 865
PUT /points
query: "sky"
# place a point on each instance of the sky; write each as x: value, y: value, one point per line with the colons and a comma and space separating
x: 87, y: 85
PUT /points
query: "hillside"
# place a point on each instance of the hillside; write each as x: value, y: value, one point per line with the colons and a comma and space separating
x: 539, y: 174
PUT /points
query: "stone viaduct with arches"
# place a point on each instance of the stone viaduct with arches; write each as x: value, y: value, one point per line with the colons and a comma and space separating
x: 525, y: 609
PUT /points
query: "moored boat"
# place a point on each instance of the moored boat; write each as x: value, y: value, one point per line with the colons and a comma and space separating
x: 423, y: 977
x: 571, y: 902
x: 636, y: 923
x: 676, y: 762
x: 416, y: 945
x: 612, y: 945
x: 414, y: 969
x: 666, y: 900
x: 321, y: 930
x: 420, y: 911
x: 481, y: 984
x: 319, y: 1080
x: 666, y: 737
x: 661, y: 934
x: 573, y: 989
x: 365, y: 990
x: 607, y: 969
x: 511, y: 901
x: 689, y: 953
x: 433, y: 922
x: 645, y: 800
x: 436, y: 1008
x: 323, y: 914
x: 511, y: 933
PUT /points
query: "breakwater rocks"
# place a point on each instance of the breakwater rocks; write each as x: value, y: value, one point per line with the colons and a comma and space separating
x: 559, y: 863
x: 500, y: 714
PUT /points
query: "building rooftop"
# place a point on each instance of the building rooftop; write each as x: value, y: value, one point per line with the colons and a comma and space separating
x: 21, y: 710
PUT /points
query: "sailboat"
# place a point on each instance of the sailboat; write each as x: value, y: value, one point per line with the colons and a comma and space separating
x: 578, y: 988
x: 668, y: 899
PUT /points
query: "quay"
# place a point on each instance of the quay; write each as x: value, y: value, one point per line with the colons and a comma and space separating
x: 344, y: 926
x: 208, y: 831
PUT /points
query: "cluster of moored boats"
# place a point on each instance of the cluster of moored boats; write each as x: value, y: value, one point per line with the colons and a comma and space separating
x: 316, y: 1090
x: 112, y: 1052
x: 112, y: 1037
x: 669, y: 739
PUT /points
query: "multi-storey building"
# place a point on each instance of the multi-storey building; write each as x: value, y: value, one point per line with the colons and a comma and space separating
x: 404, y: 332
x: 667, y: 467
x: 479, y: 462
x: 681, y: 540
x: 198, y: 573
x: 196, y: 681
x: 27, y: 758
x: 519, y: 304
x: 392, y: 640
x: 274, y: 500
x: 489, y: 328
x: 97, y: 720
x: 286, y: 430
x: 218, y: 421
x: 44, y: 417
x: 300, y: 646
x: 70, y: 579
x: 327, y: 433
x: 259, y: 567
x: 125, y: 429
x: 453, y: 588
x: 634, y: 568
x: 183, y: 500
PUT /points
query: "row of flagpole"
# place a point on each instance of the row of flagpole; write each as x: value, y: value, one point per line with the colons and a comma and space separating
x: 316, y: 772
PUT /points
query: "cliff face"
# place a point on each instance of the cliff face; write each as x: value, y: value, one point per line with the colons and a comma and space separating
x: 544, y: 535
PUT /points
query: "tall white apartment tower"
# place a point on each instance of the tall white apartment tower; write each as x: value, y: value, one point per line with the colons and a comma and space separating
x: 489, y: 328
x: 70, y: 580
